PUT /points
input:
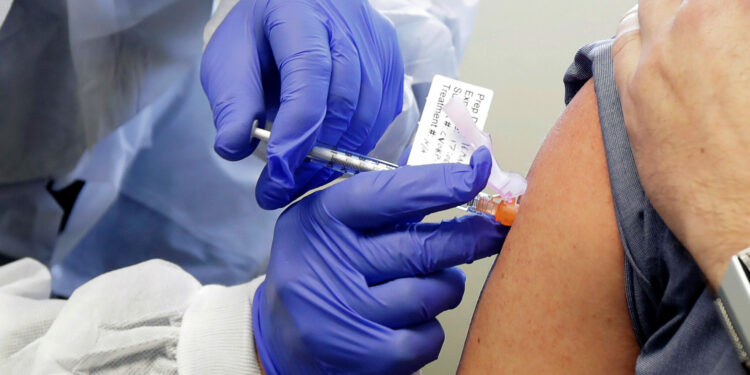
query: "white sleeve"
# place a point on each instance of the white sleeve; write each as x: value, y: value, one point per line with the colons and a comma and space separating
x: 432, y: 34
x: 149, y: 318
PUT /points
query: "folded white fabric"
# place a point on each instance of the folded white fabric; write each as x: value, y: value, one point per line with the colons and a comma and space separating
x: 149, y: 318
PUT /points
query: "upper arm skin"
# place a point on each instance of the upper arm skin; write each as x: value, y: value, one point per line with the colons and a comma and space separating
x: 555, y: 300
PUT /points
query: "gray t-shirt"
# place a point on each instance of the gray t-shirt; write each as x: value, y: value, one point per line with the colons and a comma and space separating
x: 670, y: 307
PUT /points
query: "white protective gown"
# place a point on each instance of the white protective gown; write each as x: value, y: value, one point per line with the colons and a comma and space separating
x: 107, y: 92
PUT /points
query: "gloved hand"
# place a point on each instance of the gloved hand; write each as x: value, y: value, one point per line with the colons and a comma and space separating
x: 354, y: 283
x: 326, y: 71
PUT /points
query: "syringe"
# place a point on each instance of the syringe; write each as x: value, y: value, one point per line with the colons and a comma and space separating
x: 350, y: 163
x: 346, y: 162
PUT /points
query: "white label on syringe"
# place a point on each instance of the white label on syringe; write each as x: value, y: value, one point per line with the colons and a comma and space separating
x: 437, y: 139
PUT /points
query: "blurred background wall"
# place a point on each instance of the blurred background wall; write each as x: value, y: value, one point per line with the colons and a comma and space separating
x: 520, y: 49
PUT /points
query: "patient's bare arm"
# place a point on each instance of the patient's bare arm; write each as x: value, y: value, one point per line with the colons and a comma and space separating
x: 555, y: 301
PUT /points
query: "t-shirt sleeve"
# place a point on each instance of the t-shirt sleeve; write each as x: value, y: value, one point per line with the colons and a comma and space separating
x: 670, y: 307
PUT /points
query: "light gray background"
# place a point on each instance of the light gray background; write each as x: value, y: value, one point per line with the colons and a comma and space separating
x: 520, y: 49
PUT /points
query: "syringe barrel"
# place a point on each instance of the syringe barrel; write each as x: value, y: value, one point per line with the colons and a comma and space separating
x: 351, y: 163
x: 347, y: 162
x: 472, y: 205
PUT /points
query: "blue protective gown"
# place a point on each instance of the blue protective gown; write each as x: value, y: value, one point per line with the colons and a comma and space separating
x: 106, y: 93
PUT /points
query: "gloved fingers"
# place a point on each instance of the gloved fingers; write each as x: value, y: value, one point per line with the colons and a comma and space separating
x: 413, y: 347
x: 230, y: 75
x: 308, y: 176
x: 314, y: 177
x: 390, y: 107
x: 368, y: 106
x: 392, y: 99
x: 413, y: 300
x: 343, y: 97
x: 404, y: 158
x: 345, y: 87
x: 371, y: 80
x: 372, y: 200
x: 424, y: 248
x: 300, y: 43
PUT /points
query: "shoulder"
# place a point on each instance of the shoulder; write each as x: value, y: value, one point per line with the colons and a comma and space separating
x: 555, y: 301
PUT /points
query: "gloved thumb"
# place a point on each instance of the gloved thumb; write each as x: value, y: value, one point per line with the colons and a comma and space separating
x: 374, y: 199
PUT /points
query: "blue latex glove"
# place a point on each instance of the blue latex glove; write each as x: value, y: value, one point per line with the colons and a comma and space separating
x: 354, y: 283
x: 326, y: 71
